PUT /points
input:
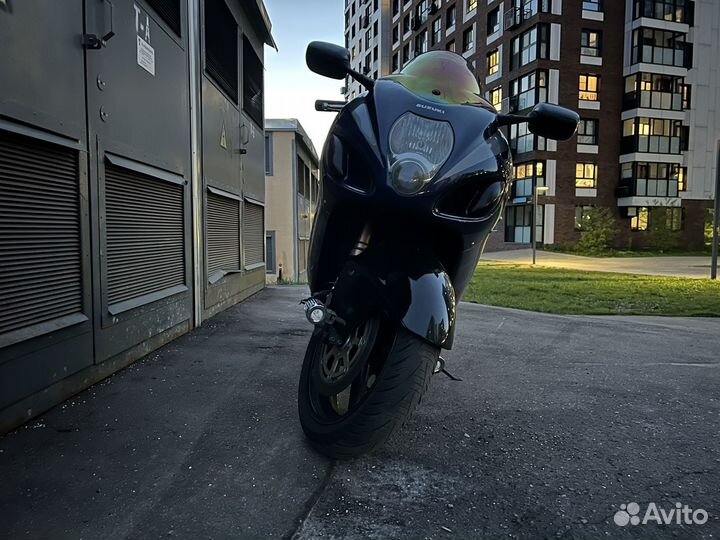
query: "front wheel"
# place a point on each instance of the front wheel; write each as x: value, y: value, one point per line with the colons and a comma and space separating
x: 389, y: 370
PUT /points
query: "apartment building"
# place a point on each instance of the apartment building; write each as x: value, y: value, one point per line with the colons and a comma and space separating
x: 640, y: 73
x: 367, y: 34
x: 291, y: 193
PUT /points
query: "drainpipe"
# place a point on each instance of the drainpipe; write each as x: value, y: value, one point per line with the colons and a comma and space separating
x: 193, y: 10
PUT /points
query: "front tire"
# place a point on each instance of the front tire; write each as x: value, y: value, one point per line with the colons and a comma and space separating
x: 380, y: 399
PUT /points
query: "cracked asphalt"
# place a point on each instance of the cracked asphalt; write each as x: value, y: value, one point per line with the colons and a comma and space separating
x: 558, y: 421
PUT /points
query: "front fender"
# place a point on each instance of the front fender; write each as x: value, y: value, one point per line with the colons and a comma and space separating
x: 431, y: 307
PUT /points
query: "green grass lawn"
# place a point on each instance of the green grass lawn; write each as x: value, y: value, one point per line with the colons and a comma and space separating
x: 558, y: 290
x: 572, y: 250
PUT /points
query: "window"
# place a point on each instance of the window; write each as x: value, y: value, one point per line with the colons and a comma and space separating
x: 587, y: 132
x: 221, y: 48
x: 655, y: 91
x: 270, y: 252
x: 673, y: 216
x: 396, y: 33
x: 252, y: 83
x: 586, y: 175
x: 471, y: 5
x: 592, y: 5
x: 530, y: 45
x: 450, y: 16
x: 590, y: 41
x: 525, y: 174
x: 268, y: 154
x: 662, y: 47
x: 528, y: 90
x: 406, y: 53
x: 450, y: 45
x: 582, y: 215
x: 667, y: 10
x: 649, y: 179
x: 421, y: 44
x: 530, y: 8
x: 639, y: 218
x: 375, y: 53
x: 395, y: 62
x: 522, y: 140
x: 654, y: 135
x: 395, y: 7
x: 518, y: 220
x: 493, y: 62
x: 406, y: 24
x: 469, y: 38
x: 421, y: 12
x: 496, y: 97
x: 437, y: 31
x: 493, y: 21
x: 589, y: 86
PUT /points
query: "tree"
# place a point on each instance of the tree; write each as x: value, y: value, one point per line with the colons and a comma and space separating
x: 662, y: 235
x: 597, y: 230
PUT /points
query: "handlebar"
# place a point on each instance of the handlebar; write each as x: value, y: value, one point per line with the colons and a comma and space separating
x: 324, y: 105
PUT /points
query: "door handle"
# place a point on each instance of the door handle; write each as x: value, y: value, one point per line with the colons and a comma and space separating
x: 93, y: 41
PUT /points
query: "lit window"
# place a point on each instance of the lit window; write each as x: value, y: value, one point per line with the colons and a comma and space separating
x: 639, y: 221
x: 493, y: 62
x: 589, y: 86
x: 586, y: 175
x: 496, y: 97
x: 471, y: 5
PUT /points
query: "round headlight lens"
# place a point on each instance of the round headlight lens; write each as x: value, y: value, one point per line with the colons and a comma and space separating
x: 409, y: 175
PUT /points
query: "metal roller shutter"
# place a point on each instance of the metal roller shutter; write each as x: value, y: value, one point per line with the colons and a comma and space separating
x: 223, y: 233
x: 40, y: 251
x: 145, y: 234
x: 253, y: 233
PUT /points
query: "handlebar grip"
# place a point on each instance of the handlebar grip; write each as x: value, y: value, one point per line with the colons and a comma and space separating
x: 324, y: 105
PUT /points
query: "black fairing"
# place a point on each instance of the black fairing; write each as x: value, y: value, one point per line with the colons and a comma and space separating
x: 424, y: 248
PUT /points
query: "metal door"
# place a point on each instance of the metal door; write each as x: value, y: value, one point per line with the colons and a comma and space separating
x: 45, y: 302
x: 139, y: 133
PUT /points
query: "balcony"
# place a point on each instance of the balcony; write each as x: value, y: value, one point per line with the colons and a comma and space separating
x: 652, y: 144
x: 667, y: 101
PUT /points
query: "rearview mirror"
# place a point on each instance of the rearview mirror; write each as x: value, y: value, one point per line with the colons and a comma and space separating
x: 553, y: 121
x: 328, y: 59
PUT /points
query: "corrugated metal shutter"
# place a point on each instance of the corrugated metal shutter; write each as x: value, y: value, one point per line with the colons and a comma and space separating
x: 223, y: 233
x: 145, y: 236
x: 253, y: 233
x: 40, y: 252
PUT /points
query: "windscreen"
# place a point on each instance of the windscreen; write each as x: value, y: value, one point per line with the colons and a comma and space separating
x: 440, y: 76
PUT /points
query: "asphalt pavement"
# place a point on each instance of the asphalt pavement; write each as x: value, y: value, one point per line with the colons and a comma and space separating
x: 557, y: 422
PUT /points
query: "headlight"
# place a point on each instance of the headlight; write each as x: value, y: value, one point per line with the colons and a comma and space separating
x: 418, y: 148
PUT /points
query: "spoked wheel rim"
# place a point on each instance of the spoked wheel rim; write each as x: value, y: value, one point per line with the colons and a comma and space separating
x: 343, y: 376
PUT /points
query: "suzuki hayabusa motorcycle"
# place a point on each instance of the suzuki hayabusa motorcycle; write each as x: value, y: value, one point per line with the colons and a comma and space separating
x: 415, y: 174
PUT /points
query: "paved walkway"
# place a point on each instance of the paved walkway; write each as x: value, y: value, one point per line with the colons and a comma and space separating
x: 692, y: 267
x: 557, y: 422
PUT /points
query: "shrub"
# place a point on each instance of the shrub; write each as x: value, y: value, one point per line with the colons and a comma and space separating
x: 598, y: 229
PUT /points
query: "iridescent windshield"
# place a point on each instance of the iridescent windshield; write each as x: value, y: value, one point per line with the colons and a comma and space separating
x: 440, y: 76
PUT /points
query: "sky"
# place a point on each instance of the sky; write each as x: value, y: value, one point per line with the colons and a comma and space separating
x: 290, y: 87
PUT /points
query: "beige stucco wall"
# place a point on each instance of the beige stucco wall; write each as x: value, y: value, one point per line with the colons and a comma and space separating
x: 279, y: 196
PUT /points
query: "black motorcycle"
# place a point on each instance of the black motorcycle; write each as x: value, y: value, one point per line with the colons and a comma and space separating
x: 415, y: 174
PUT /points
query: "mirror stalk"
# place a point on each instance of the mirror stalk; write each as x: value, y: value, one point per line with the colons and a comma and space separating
x: 367, y: 82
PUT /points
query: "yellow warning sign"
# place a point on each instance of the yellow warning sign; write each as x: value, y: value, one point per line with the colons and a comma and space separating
x: 223, y: 137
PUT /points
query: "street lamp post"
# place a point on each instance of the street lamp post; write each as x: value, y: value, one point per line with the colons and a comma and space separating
x: 533, y: 230
x: 716, y: 219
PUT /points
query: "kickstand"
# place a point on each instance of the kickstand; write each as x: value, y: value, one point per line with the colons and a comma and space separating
x: 440, y: 368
